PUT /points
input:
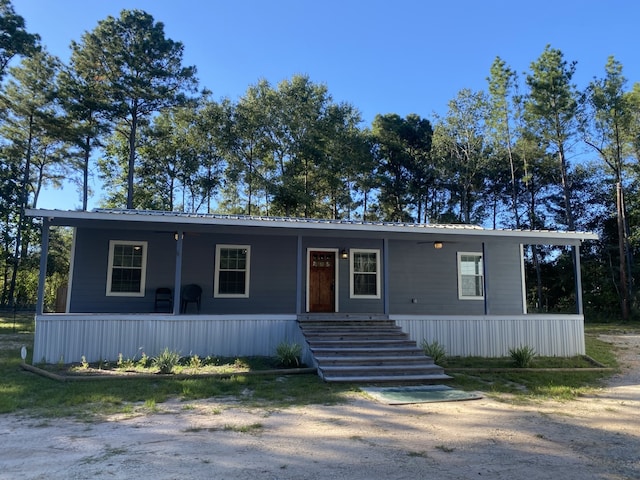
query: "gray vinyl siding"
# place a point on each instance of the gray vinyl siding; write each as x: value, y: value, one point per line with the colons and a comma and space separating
x: 424, y: 281
x: 421, y: 280
x: 272, y: 283
x: 504, y: 279
x: 271, y: 288
x: 88, y: 292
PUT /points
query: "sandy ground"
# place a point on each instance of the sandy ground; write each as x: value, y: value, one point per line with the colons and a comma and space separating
x: 590, y: 438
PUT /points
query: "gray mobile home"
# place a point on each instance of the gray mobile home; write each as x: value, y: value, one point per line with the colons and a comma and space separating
x: 235, y: 285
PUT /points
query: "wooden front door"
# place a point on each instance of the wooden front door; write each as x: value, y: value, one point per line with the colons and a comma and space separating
x: 322, y: 275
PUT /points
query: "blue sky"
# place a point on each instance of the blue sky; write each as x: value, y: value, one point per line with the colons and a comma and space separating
x: 393, y: 56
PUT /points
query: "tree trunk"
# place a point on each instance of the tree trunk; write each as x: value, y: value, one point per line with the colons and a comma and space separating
x: 624, y: 288
x: 85, y: 172
x: 536, y: 265
x: 566, y: 190
x: 24, y: 198
x: 132, y: 160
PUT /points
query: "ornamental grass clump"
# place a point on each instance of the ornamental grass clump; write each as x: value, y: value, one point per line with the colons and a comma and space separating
x: 435, y: 350
x: 522, y: 356
x: 166, y: 361
x: 288, y: 354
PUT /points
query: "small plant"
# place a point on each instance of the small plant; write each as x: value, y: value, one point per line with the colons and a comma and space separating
x: 144, y: 361
x: 83, y: 362
x: 288, y: 354
x: 151, y: 405
x: 195, y: 362
x: 435, y: 350
x: 241, y: 364
x: 125, y: 364
x: 166, y: 361
x: 522, y: 356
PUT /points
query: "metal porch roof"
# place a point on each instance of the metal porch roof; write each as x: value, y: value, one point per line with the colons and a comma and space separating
x: 78, y: 218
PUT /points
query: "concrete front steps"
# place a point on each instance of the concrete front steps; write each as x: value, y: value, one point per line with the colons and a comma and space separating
x: 367, y: 349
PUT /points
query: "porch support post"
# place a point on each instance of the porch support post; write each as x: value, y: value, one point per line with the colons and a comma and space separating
x: 44, y: 252
x: 385, y: 275
x: 523, y: 281
x: 177, y: 282
x: 299, y: 276
x: 575, y: 250
x: 485, y: 279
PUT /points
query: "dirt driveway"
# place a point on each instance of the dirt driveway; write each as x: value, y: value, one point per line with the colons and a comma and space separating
x: 591, y: 438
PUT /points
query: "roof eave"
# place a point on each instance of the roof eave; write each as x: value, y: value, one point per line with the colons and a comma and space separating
x: 58, y: 217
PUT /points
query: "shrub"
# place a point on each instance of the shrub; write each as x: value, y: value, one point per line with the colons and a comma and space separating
x: 144, y: 361
x: 125, y: 364
x: 288, y: 354
x: 522, y: 356
x: 166, y: 361
x: 435, y: 350
x: 195, y: 362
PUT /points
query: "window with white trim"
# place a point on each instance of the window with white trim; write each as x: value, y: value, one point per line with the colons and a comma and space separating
x: 365, y: 273
x: 232, y: 271
x: 127, y: 268
x: 470, y: 276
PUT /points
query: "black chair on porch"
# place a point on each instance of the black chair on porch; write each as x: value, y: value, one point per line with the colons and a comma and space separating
x: 163, y: 301
x: 190, y: 294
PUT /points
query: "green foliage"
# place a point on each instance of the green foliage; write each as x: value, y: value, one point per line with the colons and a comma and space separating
x: 435, y: 350
x: 288, y: 354
x: 195, y: 362
x: 144, y: 361
x: 406, y: 173
x: 125, y: 364
x: 497, y: 376
x: 551, y: 110
x: 141, y: 73
x: 166, y: 361
x: 522, y: 356
x: 14, y: 39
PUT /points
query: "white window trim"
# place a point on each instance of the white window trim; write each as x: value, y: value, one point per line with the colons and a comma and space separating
x: 470, y: 297
x: 143, y: 276
x: 378, y: 273
x: 216, y: 278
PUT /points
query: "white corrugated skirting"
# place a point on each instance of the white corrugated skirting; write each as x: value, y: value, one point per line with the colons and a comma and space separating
x: 494, y: 336
x: 67, y: 338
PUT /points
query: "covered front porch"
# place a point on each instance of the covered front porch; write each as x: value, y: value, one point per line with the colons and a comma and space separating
x: 463, y: 286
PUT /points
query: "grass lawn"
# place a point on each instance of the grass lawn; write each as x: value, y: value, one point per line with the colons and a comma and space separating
x: 25, y: 392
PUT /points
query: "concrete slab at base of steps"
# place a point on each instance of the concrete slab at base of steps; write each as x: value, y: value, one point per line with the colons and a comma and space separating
x: 390, y: 379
